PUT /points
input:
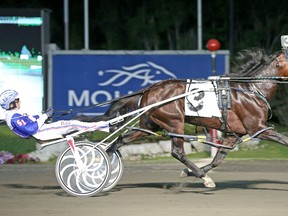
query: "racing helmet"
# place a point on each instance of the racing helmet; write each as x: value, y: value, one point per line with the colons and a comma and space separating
x: 7, y: 97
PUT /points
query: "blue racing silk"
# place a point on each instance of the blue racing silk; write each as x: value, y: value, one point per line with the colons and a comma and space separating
x: 22, y: 125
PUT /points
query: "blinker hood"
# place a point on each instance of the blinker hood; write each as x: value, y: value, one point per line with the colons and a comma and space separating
x: 284, y: 44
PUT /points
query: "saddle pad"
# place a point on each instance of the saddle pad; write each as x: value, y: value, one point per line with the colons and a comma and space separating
x: 203, y: 101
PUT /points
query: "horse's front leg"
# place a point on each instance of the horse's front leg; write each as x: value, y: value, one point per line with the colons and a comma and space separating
x: 270, y: 135
x: 221, y: 153
x: 179, y: 153
x: 218, y: 158
x: 274, y: 136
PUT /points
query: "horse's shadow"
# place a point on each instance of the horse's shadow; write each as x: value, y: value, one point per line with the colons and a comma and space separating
x: 174, y: 187
x: 197, y: 187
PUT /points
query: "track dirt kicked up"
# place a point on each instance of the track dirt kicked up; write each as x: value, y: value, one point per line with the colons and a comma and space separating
x: 249, y: 188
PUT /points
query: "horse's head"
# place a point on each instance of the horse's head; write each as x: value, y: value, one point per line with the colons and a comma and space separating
x: 255, y: 62
x: 281, y: 64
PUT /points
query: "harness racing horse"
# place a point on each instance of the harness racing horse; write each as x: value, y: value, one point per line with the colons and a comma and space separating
x: 248, y: 113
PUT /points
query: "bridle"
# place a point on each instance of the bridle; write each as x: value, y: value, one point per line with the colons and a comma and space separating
x: 285, y: 51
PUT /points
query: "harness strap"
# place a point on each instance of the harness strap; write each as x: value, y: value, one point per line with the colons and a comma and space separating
x: 262, y: 97
x: 139, y: 101
x: 224, y: 100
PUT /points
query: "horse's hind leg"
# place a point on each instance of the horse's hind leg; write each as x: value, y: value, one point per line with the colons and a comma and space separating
x: 178, y: 153
x: 126, y: 138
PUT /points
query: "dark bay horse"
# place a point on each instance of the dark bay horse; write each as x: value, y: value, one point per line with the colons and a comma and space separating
x: 248, y: 113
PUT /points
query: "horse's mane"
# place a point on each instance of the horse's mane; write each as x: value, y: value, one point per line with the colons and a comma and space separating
x: 248, y: 62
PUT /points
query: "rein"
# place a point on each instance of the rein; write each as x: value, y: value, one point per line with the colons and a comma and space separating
x: 273, y: 79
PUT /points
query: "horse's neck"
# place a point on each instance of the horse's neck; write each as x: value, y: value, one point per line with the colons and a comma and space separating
x: 268, y: 90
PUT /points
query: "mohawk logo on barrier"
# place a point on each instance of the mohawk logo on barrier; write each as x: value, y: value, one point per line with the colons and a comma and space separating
x: 148, y: 72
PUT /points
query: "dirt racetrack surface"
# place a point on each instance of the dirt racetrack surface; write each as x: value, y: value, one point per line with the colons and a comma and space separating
x: 244, y: 188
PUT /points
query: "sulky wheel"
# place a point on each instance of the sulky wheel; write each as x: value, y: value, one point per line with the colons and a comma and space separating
x: 116, y: 170
x: 86, y: 176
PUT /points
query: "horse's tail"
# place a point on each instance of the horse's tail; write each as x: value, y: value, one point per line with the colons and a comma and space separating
x: 118, y: 107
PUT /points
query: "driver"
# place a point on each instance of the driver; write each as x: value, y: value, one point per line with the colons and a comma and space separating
x: 26, y: 126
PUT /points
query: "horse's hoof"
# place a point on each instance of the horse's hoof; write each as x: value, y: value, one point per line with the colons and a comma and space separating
x: 208, y: 182
x: 184, y: 173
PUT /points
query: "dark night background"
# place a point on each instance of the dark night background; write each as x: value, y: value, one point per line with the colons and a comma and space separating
x: 166, y: 24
